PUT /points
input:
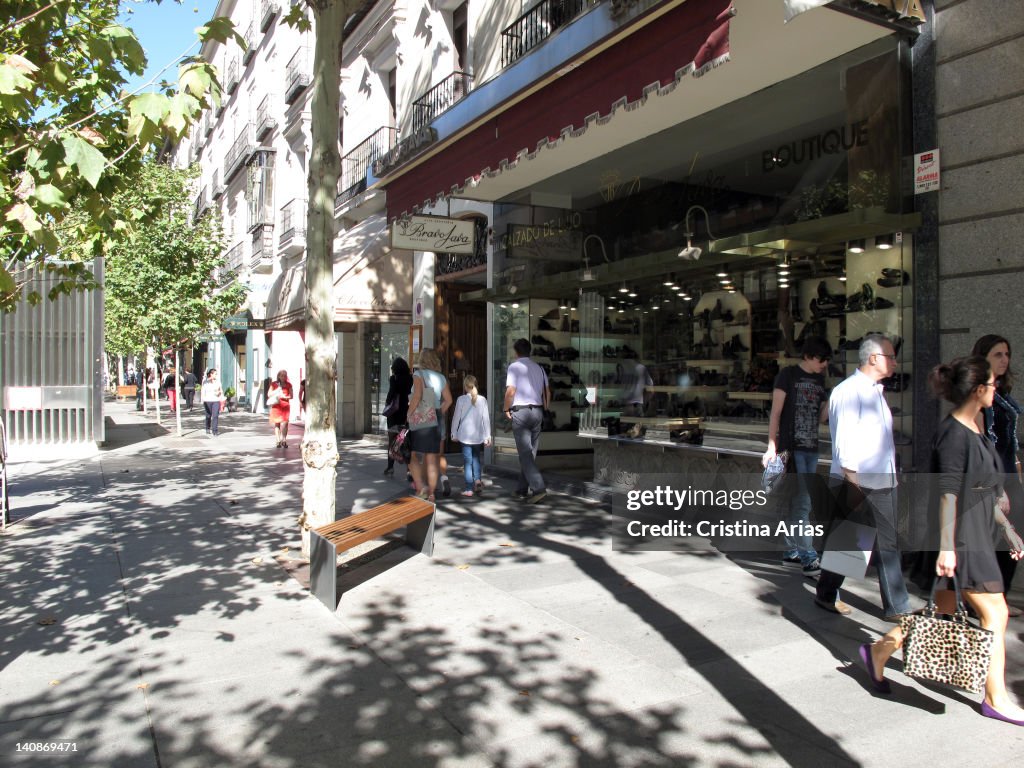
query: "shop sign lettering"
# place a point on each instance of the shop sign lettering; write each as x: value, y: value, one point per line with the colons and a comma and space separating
x: 812, y: 148
x: 521, y: 235
x: 434, y: 233
x: 352, y: 300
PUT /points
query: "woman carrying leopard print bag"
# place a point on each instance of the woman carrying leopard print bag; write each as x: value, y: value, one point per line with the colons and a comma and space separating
x: 953, y: 651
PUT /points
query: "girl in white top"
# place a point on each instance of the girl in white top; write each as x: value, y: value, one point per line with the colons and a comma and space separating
x: 471, y: 426
x: 211, y: 395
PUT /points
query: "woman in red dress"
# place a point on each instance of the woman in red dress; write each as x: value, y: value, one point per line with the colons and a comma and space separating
x: 279, y: 398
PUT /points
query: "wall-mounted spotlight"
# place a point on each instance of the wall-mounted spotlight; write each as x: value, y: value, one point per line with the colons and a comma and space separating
x: 883, y: 242
x: 856, y: 246
x: 692, y: 252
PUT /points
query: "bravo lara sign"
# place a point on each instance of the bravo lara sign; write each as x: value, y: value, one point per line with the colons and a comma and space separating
x: 433, y: 233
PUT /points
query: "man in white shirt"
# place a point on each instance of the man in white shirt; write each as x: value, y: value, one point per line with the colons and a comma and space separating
x: 863, y: 474
x: 527, y: 396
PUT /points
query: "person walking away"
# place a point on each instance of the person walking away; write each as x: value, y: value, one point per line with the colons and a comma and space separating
x: 171, y: 387
x: 188, y: 388
x: 279, y: 398
x: 799, y: 406
x: 428, y: 382
x: 527, y: 396
x: 635, y: 379
x: 863, y: 473
x: 472, y: 428
x: 967, y: 512
x: 1000, y: 422
x: 397, y: 400
x: 211, y: 395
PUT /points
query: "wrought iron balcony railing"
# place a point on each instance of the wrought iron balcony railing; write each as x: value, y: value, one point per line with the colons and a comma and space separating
x: 293, y: 226
x: 217, y: 187
x: 262, y: 259
x: 440, y: 97
x: 207, y: 124
x: 232, y: 265
x: 265, y: 120
x: 241, y: 150
x: 231, y: 79
x: 534, y: 26
x: 355, y: 164
x: 250, y: 43
x: 202, y: 203
x: 296, y: 75
x: 268, y: 10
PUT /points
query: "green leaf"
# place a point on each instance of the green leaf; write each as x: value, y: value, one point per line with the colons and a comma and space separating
x: 195, y: 78
x: 220, y: 29
x: 24, y: 215
x: 84, y: 157
x: 133, y: 57
x: 50, y: 196
x: 152, y: 106
x: 7, y: 284
x: 12, y: 81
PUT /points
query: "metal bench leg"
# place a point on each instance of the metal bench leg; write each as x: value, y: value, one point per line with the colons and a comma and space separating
x: 420, y: 534
x: 323, y: 570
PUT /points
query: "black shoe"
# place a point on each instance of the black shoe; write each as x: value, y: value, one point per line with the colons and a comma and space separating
x: 544, y: 325
x: 881, y: 303
x: 446, y: 488
x: 538, y: 339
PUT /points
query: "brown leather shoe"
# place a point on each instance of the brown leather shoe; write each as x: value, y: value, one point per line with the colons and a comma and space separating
x: 837, y: 607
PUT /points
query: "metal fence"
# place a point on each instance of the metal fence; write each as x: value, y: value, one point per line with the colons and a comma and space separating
x: 440, y: 97
x: 51, y: 367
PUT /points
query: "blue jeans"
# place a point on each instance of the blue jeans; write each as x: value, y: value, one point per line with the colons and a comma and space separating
x: 212, y: 415
x: 526, y: 423
x: 879, y: 511
x: 471, y: 461
x: 806, y: 465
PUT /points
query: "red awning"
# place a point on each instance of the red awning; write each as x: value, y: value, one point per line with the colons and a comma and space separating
x: 688, y: 40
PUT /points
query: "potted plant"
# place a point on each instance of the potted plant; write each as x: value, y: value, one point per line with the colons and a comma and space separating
x: 229, y: 396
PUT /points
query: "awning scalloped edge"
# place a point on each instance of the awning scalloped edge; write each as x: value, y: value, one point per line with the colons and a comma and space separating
x: 571, y: 132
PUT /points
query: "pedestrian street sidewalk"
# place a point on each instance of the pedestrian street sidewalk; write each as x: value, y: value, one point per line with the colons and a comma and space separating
x: 155, y: 615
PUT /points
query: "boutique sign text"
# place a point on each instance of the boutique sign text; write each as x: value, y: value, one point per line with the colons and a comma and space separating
x: 811, y: 148
x: 434, y: 233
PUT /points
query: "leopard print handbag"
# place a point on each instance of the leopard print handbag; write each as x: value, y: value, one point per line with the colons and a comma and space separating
x: 946, y: 650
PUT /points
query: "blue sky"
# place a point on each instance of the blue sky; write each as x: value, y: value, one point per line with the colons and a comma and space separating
x: 165, y: 31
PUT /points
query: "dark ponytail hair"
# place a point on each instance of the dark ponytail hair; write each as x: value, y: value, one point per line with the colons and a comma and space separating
x: 983, y: 346
x: 955, y: 381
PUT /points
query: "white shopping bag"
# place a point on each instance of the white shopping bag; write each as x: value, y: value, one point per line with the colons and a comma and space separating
x: 849, y: 549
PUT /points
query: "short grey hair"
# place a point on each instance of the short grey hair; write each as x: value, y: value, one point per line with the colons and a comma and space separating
x: 871, y: 345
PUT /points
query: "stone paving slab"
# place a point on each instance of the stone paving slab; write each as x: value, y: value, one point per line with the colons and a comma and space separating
x: 181, y: 640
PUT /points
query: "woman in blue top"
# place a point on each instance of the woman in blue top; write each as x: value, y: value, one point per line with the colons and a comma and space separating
x: 425, y: 465
x: 1000, y: 423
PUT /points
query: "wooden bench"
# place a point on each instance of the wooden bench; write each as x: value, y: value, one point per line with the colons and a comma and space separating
x: 125, y: 392
x: 326, y: 542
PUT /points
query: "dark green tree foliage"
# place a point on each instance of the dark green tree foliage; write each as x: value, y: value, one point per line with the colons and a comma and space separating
x: 70, y: 138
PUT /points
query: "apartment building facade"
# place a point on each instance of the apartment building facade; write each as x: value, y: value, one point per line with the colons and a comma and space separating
x: 596, y: 146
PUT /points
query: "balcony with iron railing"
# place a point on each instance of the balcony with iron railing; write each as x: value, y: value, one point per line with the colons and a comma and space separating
x: 262, y: 259
x: 202, y: 203
x: 268, y: 10
x: 293, y: 227
x: 537, y: 24
x: 250, y: 42
x: 355, y: 164
x: 265, y: 120
x: 217, y: 188
x: 440, y: 97
x: 296, y: 75
x: 231, y: 78
x: 232, y: 265
x: 207, y: 123
x: 240, y: 152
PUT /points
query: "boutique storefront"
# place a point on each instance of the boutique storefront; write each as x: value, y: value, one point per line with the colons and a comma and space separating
x: 664, y: 282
